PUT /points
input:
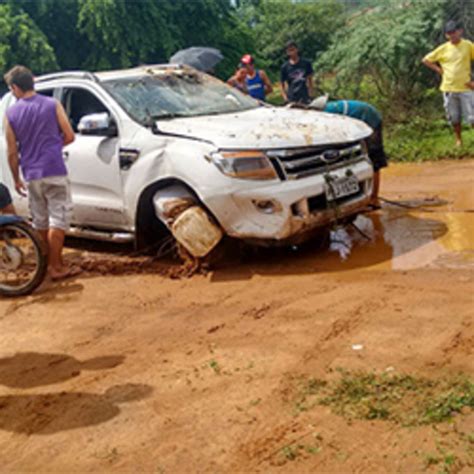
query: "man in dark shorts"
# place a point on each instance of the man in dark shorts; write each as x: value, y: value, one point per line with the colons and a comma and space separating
x: 296, y: 77
x: 368, y: 114
x: 6, y: 206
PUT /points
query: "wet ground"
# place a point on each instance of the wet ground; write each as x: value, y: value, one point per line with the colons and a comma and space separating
x: 137, y: 366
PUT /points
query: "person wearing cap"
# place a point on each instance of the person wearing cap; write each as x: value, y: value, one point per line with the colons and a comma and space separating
x: 296, y: 77
x: 256, y: 80
x: 368, y: 114
x: 452, y: 61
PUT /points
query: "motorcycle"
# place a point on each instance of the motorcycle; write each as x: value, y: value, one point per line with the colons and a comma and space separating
x: 23, y: 257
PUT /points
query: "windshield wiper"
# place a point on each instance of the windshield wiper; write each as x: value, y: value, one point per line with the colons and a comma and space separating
x: 152, y: 119
x: 169, y: 115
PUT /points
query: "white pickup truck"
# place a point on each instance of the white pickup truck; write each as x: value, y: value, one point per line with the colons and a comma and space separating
x: 167, y: 148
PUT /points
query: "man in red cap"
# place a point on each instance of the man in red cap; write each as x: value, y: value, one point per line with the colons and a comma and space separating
x: 257, y: 82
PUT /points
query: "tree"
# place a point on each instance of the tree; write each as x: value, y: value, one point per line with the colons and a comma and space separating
x: 125, y: 33
x: 212, y: 23
x: 274, y: 23
x: 148, y: 31
x: 22, y: 42
x: 58, y: 19
x: 386, y: 45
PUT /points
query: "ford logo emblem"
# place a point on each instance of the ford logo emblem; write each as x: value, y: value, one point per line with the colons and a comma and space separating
x: 330, y: 156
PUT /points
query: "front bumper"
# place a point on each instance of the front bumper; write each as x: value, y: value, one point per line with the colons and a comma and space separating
x: 297, y: 206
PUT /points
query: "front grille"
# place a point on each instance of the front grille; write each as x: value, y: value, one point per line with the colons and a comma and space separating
x: 303, y: 162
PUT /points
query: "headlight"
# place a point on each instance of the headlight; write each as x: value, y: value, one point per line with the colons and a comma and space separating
x: 244, y: 164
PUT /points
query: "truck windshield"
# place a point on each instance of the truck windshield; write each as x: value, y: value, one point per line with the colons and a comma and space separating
x: 168, y: 95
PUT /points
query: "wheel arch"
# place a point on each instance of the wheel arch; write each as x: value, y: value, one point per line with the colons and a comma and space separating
x: 149, y: 229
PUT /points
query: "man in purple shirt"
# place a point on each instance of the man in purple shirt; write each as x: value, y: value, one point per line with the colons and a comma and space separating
x: 37, y: 128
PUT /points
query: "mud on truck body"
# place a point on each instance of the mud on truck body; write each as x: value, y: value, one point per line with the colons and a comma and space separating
x: 167, y: 148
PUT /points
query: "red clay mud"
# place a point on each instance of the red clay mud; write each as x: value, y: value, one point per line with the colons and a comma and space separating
x: 128, y: 370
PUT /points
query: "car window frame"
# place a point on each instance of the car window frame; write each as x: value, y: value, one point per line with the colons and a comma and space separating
x: 62, y: 94
x: 5, y: 102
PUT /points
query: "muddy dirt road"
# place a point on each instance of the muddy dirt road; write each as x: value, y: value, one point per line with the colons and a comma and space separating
x: 140, y: 372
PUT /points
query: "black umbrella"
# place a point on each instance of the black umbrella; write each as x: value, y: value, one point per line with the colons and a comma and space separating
x: 198, y: 57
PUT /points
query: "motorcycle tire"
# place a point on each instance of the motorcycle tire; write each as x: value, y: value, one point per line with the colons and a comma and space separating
x: 40, y: 256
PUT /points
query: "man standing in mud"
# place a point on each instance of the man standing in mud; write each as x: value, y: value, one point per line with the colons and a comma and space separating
x: 452, y: 61
x: 37, y: 128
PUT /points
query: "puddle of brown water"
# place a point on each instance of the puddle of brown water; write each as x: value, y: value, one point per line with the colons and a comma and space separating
x: 405, y: 240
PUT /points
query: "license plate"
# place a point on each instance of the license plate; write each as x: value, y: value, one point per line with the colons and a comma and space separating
x: 342, y: 187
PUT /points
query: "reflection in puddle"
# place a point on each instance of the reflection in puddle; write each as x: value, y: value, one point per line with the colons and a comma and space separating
x: 404, y: 240
x: 340, y: 242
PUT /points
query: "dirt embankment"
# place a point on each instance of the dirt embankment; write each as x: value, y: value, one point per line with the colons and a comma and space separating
x: 221, y: 372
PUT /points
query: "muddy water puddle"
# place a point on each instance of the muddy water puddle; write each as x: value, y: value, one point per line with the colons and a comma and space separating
x: 403, y: 235
x: 402, y: 239
x: 390, y: 239
x: 393, y: 238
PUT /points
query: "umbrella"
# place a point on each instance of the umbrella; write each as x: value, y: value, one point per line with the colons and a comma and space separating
x: 198, y: 57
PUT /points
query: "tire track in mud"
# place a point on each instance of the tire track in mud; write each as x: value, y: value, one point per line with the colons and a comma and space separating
x: 339, y: 333
x: 459, y: 346
x: 275, y: 426
x: 264, y: 442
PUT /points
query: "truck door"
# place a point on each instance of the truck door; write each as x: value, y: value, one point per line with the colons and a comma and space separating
x: 93, y: 165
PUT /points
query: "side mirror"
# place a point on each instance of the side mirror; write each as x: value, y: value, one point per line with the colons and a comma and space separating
x: 99, y: 124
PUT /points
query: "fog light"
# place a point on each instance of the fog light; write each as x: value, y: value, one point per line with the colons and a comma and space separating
x: 267, y: 206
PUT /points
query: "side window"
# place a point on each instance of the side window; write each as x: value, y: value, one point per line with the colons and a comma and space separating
x: 80, y: 102
x: 46, y: 92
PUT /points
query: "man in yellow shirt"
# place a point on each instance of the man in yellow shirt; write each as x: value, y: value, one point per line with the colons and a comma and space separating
x: 452, y: 61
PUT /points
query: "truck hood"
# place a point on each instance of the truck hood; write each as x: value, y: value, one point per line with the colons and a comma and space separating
x: 268, y: 127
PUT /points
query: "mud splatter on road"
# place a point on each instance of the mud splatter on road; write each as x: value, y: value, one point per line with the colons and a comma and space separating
x: 127, y: 369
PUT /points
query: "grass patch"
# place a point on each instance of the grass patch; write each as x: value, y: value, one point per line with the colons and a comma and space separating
x: 447, y: 463
x: 402, y: 399
x: 214, y: 365
x: 293, y: 451
x: 422, y: 139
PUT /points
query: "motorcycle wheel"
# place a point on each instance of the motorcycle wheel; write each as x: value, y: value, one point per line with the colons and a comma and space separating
x: 23, y: 259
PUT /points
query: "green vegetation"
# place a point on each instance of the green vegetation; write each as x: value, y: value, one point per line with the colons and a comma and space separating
x: 21, y: 41
x: 214, y: 365
x: 369, y: 50
x: 423, y: 139
x: 402, y: 399
x: 273, y: 23
x: 386, y: 44
x: 293, y: 451
x: 447, y: 463
x: 107, y: 34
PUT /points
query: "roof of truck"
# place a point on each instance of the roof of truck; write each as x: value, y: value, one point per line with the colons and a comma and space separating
x: 115, y: 74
